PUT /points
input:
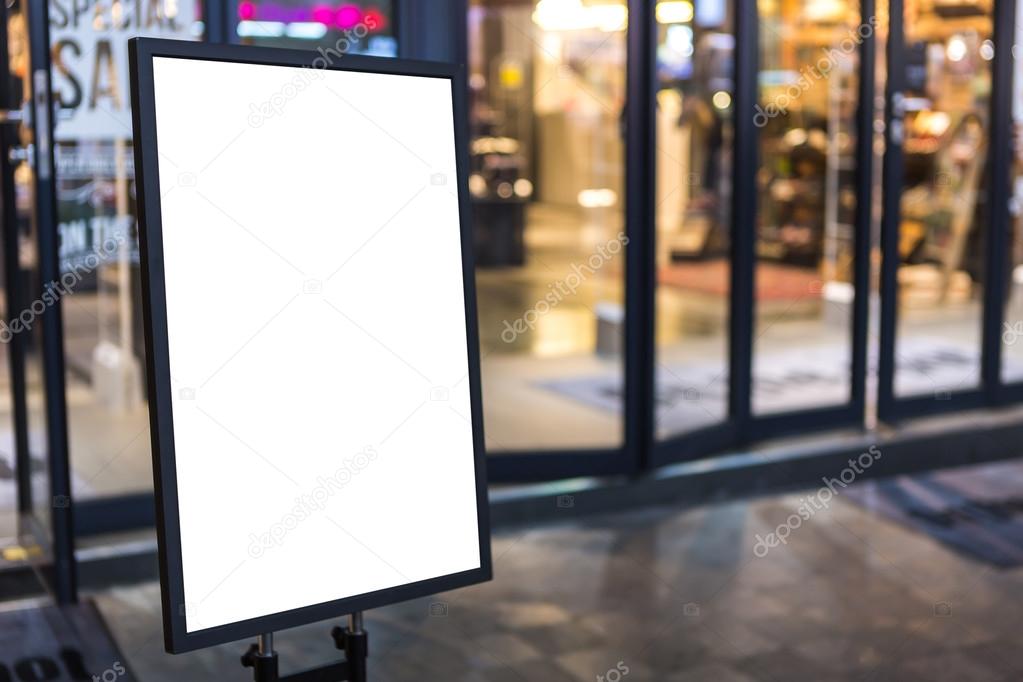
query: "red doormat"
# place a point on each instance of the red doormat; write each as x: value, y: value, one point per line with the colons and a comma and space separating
x: 774, y: 282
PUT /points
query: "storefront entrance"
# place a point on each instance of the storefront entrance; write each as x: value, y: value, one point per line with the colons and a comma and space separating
x: 698, y: 224
x: 759, y: 220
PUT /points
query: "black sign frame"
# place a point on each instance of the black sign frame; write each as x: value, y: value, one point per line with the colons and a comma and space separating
x: 142, y: 52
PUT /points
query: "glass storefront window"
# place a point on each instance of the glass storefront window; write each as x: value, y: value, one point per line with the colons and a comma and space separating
x: 547, y: 89
x: 547, y: 107
x: 34, y: 528
x: 108, y: 422
x: 347, y: 27
x: 9, y: 530
x: 107, y: 414
x: 695, y: 56
x: 808, y: 80
x: 948, y: 53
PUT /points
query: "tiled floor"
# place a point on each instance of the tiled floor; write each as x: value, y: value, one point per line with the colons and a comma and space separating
x: 669, y: 594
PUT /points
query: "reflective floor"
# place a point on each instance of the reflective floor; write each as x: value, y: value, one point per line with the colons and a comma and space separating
x: 679, y: 595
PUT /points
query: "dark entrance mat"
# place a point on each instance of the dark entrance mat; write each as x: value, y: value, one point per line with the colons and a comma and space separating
x: 66, y: 644
x: 978, y: 511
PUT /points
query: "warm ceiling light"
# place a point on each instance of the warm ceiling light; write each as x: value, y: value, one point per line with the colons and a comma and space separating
x: 956, y: 49
x: 597, y: 198
x: 824, y: 10
x: 674, y: 12
x: 573, y: 15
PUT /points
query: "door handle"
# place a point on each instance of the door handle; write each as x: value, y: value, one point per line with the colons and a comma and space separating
x: 43, y: 123
x: 898, y: 105
x: 896, y: 124
x: 14, y: 116
x: 896, y: 131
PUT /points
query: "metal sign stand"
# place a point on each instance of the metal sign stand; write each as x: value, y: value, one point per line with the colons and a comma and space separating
x: 353, y: 640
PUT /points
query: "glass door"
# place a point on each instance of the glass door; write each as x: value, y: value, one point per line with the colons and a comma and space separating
x: 694, y: 136
x: 32, y: 335
x: 937, y: 206
x: 547, y: 83
x: 15, y: 466
x: 102, y: 318
x: 806, y: 228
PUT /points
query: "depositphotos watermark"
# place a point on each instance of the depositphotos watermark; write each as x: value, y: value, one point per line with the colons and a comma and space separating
x: 817, y: 71
x: 811, y: 504
x: 615, y: 674
x: 563, y: 288
x: 274, y: 105
x: 65, y: 284
x: 114, y: 672
x: 310, y: 503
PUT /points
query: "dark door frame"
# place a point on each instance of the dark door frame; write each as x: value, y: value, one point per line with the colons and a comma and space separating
x: 999, y: 251
x: 62, y: 577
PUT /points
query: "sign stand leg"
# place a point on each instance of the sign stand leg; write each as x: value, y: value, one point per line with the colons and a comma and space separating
x: 355, y: 643
x: 353, y: 640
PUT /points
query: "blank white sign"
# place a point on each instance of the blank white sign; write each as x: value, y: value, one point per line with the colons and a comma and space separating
x: 317, y: 334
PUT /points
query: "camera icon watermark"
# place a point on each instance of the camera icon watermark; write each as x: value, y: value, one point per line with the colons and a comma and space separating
x: 440, y: 394
x: 61, y: 501
x: 943, y: 395
x: 439, y: 609
x: 186, y: 393
x: 1012, y: 332
x: 943, y: 609
x: 691, y: 610
x: 566, y: 501
x: 312, y: 286
x: 187, y: 179
x: 438, y: 179
x: 189, y: 610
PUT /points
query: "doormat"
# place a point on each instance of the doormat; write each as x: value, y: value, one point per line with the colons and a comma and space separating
x: 978, y: 511
x: 774, y: 282
x: 784, y: 380
x: 69, y: 643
